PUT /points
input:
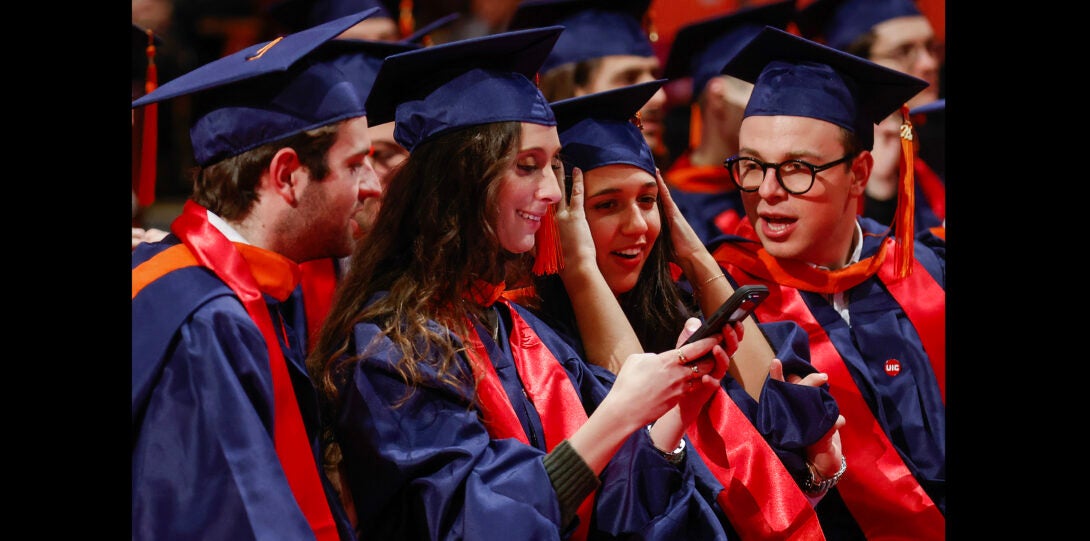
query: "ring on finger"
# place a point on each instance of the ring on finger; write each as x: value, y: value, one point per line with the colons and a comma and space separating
x: 696, y: 369
x: 681, y: 357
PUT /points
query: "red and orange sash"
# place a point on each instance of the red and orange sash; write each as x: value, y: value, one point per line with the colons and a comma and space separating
x: 759, y: 496
x: 886, y: 500
x: 546, y: 384
x: 212, y: 250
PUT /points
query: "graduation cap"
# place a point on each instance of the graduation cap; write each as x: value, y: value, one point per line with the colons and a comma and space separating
x: 462, y: 83
x: 839, y: 23
x: 701, y: 49
x: 597, y: 129
x: 269, y: 91
x: 592, y: 28
x: 793, y: 76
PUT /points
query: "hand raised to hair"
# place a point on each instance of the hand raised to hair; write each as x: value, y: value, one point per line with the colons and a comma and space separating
x: 576, y: 241
x: 685, y: 240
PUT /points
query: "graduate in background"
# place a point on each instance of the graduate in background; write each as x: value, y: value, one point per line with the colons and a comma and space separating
x: 699, y: 183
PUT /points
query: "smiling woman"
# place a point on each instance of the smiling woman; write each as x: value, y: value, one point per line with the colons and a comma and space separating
x: 431, y: 378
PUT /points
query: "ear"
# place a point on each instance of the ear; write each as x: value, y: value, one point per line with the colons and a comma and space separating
x: 286, y: 174
x: 861, y: 168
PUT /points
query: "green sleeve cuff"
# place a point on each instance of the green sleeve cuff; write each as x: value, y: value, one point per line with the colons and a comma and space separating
x: 571, y: 477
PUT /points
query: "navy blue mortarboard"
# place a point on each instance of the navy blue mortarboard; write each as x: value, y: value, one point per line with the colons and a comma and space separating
x: 839, y: 23
x: 701, y: 49
x: 462, y: 83
x: 270, y: 91
x: 793, y: 76
x: 592, y: 28
x: 597, y: 129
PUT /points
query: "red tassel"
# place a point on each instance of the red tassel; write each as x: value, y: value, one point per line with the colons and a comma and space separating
x: 145, y: 190
x: 906, y: 198
x: 550, y: 258
x: 406, y: 23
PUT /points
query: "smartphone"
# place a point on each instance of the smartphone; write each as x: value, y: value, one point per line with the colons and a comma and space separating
x: 742, y: 303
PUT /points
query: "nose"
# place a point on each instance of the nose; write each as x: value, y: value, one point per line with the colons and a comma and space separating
x: 369, y: 185
x: 635, y: 222
x: 549, y: 187
x: 770, y: 187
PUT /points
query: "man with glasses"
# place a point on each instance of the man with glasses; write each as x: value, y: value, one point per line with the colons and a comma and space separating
x: 894, y: 34
x: 872, y: 298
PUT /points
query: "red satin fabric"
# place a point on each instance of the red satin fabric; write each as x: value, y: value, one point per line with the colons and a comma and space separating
x: 760, y: 497
x: 319, y: 280
x: 886, y: 500
x: 546, y: 384
x: 213, y: 251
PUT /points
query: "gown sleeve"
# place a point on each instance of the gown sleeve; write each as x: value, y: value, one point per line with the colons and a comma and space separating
x: 203, y: 451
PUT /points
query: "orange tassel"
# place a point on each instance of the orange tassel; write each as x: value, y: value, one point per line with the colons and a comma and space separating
x: 906, y: 198
x: 550, y: 258
x: 405, y: 21
x: 145, y: 191
x: 694, y: 124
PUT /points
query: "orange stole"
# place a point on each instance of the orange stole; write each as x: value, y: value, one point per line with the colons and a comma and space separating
x: 546, y: 384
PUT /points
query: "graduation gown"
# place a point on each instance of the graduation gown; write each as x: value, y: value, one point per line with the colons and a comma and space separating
x: 429, y: 468
x: 204, y: 465
x: 887, y: 372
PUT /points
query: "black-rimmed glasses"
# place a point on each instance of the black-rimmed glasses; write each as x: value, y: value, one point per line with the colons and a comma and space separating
x: 796, y: 176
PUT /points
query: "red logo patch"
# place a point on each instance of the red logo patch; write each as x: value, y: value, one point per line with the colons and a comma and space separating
x: 893, y: 367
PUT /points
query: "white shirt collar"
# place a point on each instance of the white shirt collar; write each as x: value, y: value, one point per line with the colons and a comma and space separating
x: 231, y: 233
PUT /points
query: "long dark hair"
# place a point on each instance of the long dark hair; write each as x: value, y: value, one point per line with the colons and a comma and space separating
x: 433, y: 238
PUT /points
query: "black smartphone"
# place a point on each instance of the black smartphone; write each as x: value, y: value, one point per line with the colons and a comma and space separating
x: 742, y: 303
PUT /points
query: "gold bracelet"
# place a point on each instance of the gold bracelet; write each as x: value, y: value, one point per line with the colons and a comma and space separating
x: 709, y: 280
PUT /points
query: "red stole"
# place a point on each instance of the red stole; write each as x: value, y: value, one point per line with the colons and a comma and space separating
x: 760, y: 497
x: 318, y: 282
x: 546, y: 384
x: 213, y: 251
x: 886, y: 500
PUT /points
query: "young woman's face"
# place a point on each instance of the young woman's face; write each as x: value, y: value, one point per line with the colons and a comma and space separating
x: 622, y: 211
x: 528, y: 187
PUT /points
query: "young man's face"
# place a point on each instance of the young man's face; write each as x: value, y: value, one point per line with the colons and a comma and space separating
x: 816, y: 226
x: 328, y: 207
x: 615, y: 71
x: 907, y: 44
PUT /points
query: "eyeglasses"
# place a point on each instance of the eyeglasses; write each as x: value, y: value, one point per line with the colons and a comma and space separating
x: 796, y: 176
